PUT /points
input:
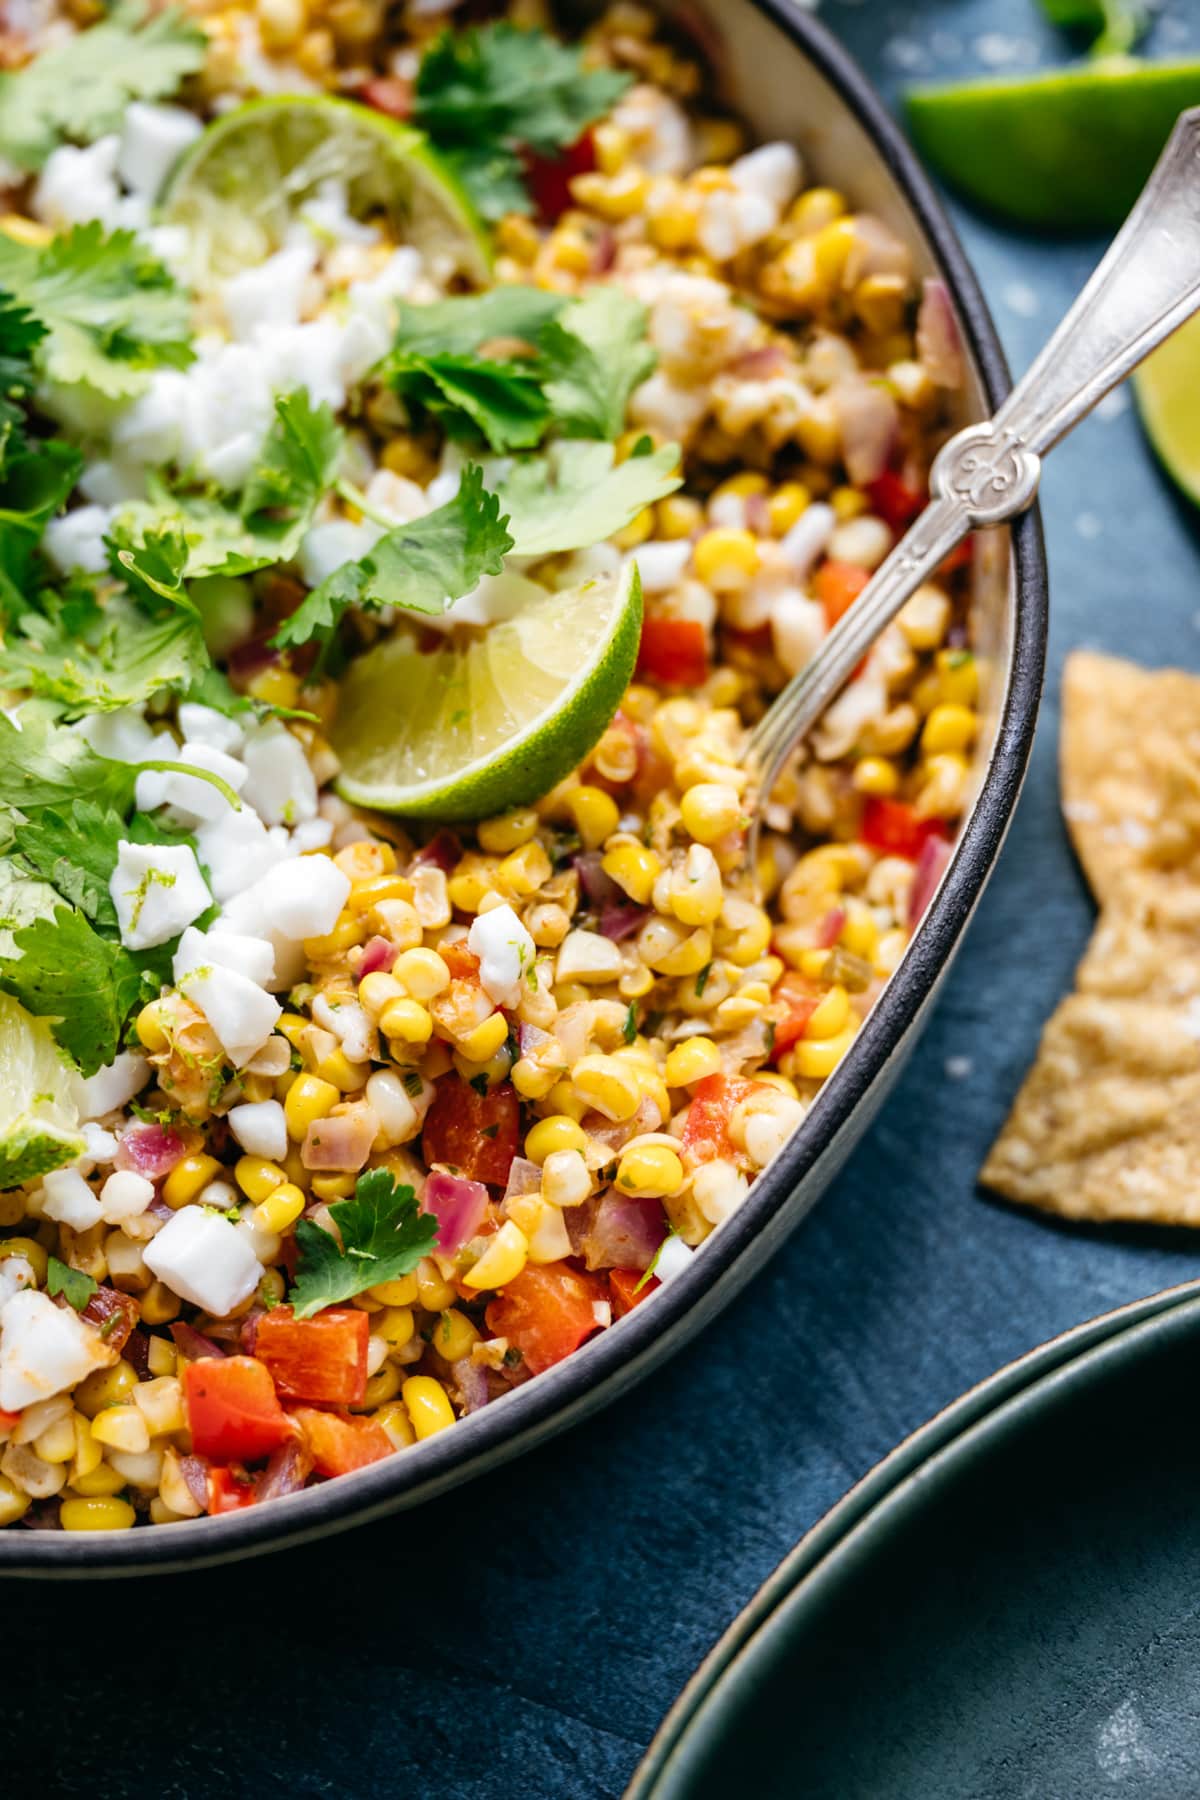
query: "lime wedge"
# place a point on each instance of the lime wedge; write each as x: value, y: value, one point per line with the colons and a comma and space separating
x: 1070, y: 149
x: 39, y: 1127
x: 493, y: 719
x: 1166, y: 386
x: 240, y: 186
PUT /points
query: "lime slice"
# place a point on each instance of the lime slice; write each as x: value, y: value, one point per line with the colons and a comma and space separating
x: 493, y: 719
x: 1166, y: 386
x: 240, y: 186
x: 1070, y: 149
x: 39, y: 1127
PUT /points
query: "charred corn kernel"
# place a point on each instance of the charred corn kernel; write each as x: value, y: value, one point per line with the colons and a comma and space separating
x: 848, y: 502
x: 814, y: 1059
x: 101, y: 1513
x: 57, y: 1443
x: 725, y: 558
x: 710, y: 810
x: 692, y: 1061
x: 565, y: 1179
x: 832, y: 245
x: 816, y: 208
x: 508, y: 832
x: 372, y: 889
x: 483, y: 1043
x: 948, y: 727
x: 613, y: 197
x: 790, y: 499
x: 188, y: 1178
x: 740, y: 486
x: 308, y: 1099
x: 649, y: 1171
x: 401, y: 1292
x: 506, y: 1254
x: 678, y: 516
x: 13, y: 1503
x: 403, y: 455
x: 31, y: 1251
x: 276, y: 686
x: 612, y: 146
x: 377, y: 989
x: 395, y: 1325
x: 158, y: 1306
x: 831, y: 1016
x: 25, y: 231
x: 422, y: 972
x: 396, y: 1422
x: 344, y: 1074
x: 860, y: 934
x: 121, y: 1428
x: 101, y: 1481
x: 633, y: 867
x: 88, y: 1453
x: 944, y: 788
x: 958, y: 673
x: 875, y: 775
x: 348, y: 932
x: 160, y: 1403
x: 610, y: 1086
x: 280, y: 1209
x: 256, y: 1176
x: 525, y: 870
x: 696, y: 892
x: 292, y: 1026
x: 12, y: 1207
x: 558, y: 1132
x: 433, y: 1290
x: 531, y: 1080
x: 637, y: 531
x: 427, y: 1405
x: 453, y: 1335
x: 162, y: 1359
x: 332, y: 1187
x: 151, y: 1028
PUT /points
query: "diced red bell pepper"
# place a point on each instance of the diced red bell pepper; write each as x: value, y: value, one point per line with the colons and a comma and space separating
x: 706, y: 1134
x: 340, y: 1444
x: 893, y: 828
x: 550, y: 177
x: 8, y: 1420
x: 113, y: 1314
x: 673, y: 651
x: 958, y: 558
x: 896, y: 503
x: 629, y: 1287
x: 323, y: 1358
x: 837, y: 586
x: 802, y: 998
x: 233, y: 1410
x: 389, y: 94
x: 228, y: 1491
x: 477, y: 1134
x: 546, y: 1312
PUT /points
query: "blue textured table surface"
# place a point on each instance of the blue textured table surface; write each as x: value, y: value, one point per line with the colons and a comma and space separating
x: 522, y: 1638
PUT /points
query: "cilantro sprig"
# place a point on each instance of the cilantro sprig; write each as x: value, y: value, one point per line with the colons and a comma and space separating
x: 74, y: 1285
x: 383, y: 1235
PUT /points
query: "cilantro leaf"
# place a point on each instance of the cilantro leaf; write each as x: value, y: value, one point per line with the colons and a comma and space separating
x: 501, y: 401
x: 577, y: 494
x: 80, y: 89
x: 486, y: 95
x: 383, y: 1235
x: 74, y: 848
x: 457, y: 327
x: 111, y: 310
x: 19, y: 333
x: 75, y: 1287
x: 84, y: 985
x: 44, y: 764
x: 423, y: 566
x: 595, y: 353
x: 122, y: 660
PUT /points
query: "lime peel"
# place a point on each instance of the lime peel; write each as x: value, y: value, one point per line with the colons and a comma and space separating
x: 39, y: 1125
x: 1166, y: 386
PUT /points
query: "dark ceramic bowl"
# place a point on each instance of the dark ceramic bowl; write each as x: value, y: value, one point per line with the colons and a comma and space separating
x: 789, y: 79
x: 1005, y: 1608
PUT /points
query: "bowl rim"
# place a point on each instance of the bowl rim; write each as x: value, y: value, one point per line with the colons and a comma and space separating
x: 612, y: 1362
x: 979, y: 1420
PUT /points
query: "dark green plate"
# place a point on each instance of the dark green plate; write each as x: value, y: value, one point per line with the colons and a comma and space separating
x: 1008, y: 1608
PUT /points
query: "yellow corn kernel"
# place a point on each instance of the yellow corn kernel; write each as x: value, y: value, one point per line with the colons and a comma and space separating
x: 31, y: 1251
x: 121, y: 1428
x: 650, y: 1171
x: 595, y: 814
x: 102, y: 1480
x: 162, y: 1359
x: 276, y: 686
x: 407, y: 1020
x: 532, y: 1080
x: 151, y: 1031
x: 848, y: 503
x: 725, y: 558
x: 672, y: 216
x: 376, y: 989
x: 635, y: 868
x: 638, y: 530
x: 453, y: 1335
x: 292, y: 1026
x: 280, y: 1209
x: 100, y: 1514
x: 433, y: 1290
x: 558, y: 1132
x: 188, y: 1177
x: 395, y: 1325
x: 740, y: 486
x: 948, y: 727
x: 401, y: 1292
x: 502, y: 1261
x: 612, y: 146
x: 495, y: 1070
x: 344, y: 1074
x: 565, y: 1180
x: 516, y: 236
x: 427, y: 1405
x: 860, y: 934
x: 88, y: 1454
x: 383, y: 1386
x: 332, y: 1187
x: 57, y: 1443
x: 832, y: 245
x: 944, y: 788
x: 816, y: 208
x: 875, y: 775
x: 308, y: 1099
x: 507, y: 832
x: 831, y: 1015
x: 958, y: 674
x: 678, y: 516
x: 710, y: 810
x: 347, y: 932
x: 12, y: 1207
x: 256, y: 1176
x: 160, y: 1403
x: 525, y: 870
x: 13, y: 1503
x: 814, y: 1059
x: 608, y: 1085
x: 785, y: 506
x: 372, y: 889
x: 422, y: 972
x: 688, y: 957
x: 104, y: 1388
x: 25, y: 231
x: 480, y: 1045
x: 692, y: 1061
x: 396, y: 1422
x: 697, y: 896
x: 158, y: 1306
x: 613, y: 197
x: 892, y: 946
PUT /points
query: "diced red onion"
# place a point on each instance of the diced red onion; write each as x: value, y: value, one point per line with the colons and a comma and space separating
x: 150, y: 1150
x: 378, y: 955
x: 443, y: 850
x: 600, y: 889
x: 758, y: 514
x: 191, y: 1344
x: 604, y: 251
x: 623, y: 1232
x: 524, y: 1177
x: 342, y: 1142
x: 621, y: 922
x: 875, y: 250
x: 939, y: 345
x: 287, y: 1470
x: 159, y: 1209
x: 250, y: 659
x: 137, y: 1352
x: 472, y: 1384
x: 830, y: 928
x: 43, y: 1515
x: 531, y: 1038
x: 760, y: 363
x: 457, y: 1204
x: 868, y: 420
x: 194, y: 1470
x: 931, y: 865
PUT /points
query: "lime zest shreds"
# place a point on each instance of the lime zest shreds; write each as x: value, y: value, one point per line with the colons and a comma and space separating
x: 488, y: 721
x: 1165, y: 387
x: 39, y: 1125
x: 243, y: 183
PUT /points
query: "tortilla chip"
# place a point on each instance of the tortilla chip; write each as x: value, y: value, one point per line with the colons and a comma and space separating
x: 1129, y: 764
x: 1146, y: 945
x: 1107, y: 1123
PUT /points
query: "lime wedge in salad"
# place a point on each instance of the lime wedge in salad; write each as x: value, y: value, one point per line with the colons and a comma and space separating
x: 493, y: 719
x: 1071, y: 148
x: 244, y: 181
x: 39, y: 1128
x: 1166, y: 386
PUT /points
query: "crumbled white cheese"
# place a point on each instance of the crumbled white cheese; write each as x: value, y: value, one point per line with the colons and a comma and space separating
x: 673, y: 1259
x: 125, y: 1195
x: 111, y: 1087
x: 279, y: 783
x: 252, y: 957
x: 260, y: 1127
x: 299, y: 898
x: 157, y: 889
x: 237, y: 850
x: 202, y: 1257
x: 192, y: 796
x: 67, y: 1199
x: 505, y: 951
x: 76, y: 540
x: 240, y: 1013
x: 153, y: 138
x: 205, y: 725
x: 44, y: 1349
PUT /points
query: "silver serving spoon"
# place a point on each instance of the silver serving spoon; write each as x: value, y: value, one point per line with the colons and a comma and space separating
x: 1146, y: 286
